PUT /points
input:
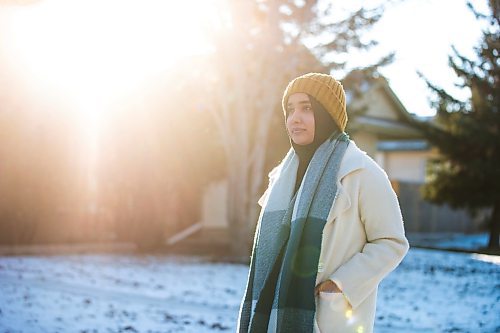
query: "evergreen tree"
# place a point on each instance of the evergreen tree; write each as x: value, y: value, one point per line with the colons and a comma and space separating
x: 467, y: 133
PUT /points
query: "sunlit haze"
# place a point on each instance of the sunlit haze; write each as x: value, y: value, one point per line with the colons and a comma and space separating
x: 93, y: 51
x: 99, y: 49
x: 72, y: 67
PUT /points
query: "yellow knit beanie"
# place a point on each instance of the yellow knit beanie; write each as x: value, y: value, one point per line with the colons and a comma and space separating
x: 328, y: 91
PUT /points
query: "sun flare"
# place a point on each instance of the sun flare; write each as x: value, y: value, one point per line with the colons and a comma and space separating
x: 92, y: 58
x: 89, y: 52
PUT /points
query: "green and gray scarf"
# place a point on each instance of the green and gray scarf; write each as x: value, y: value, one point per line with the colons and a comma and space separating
x: 279, y: 295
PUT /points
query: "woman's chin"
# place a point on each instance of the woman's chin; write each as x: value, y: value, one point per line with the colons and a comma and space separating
x: 301, y: 141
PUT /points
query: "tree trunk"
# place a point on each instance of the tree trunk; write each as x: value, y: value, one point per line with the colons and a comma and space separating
x: 495, y: 227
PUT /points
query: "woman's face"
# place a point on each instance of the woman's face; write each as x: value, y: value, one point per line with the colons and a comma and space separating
x: 300, y: 119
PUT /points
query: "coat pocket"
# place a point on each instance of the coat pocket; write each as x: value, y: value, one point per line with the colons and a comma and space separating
x: 332, y: 312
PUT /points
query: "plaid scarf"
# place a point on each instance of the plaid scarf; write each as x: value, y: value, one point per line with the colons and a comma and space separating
x: 279, y: 296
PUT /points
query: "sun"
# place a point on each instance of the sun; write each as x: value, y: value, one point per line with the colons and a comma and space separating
x: 89, y: 54
x: 91, y: 51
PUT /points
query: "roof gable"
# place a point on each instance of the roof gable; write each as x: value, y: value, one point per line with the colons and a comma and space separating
x: 374, y: 107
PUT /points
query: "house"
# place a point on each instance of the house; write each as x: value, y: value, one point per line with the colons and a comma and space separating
x: 380, y: 125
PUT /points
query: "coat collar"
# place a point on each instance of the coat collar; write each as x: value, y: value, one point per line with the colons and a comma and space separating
x: 354, y: 159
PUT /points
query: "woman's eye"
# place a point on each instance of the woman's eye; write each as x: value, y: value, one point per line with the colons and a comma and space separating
x: 308, y: 108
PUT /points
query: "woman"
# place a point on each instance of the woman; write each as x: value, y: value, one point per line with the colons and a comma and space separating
x: 330, y: 228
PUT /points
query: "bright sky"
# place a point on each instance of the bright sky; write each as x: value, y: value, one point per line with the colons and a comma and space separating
x: 93, y: 45
x: 103, y: 43
x: 90, y: 52
x: 422, y: 33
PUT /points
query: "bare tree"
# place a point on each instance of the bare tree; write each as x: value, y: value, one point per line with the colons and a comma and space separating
x: 258, y: 48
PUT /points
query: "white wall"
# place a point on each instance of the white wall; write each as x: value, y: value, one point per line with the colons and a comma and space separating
x: 406, y: 166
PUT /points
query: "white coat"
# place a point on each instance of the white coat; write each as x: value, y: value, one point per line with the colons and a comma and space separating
x: 363, y: 241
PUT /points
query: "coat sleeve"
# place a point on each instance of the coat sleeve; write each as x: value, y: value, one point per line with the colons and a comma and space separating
x: 386, y: 242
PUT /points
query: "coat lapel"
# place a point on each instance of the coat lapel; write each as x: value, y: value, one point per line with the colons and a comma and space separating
x: 352, y: 161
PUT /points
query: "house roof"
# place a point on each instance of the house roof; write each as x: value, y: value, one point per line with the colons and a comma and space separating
x: 382, y: 84
x: 384, y: 126
x: 399, y: 127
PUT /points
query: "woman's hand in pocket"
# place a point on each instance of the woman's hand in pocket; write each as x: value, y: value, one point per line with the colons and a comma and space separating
x: 327, y: 286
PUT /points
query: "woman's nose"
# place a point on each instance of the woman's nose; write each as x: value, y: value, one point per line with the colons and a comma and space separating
x: 295, y: 117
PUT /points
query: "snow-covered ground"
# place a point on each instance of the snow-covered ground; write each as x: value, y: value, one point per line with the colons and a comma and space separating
x: 449, y: 240
x: 431, y: 291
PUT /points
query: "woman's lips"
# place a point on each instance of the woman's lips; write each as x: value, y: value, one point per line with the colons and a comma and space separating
x: 298, y: 130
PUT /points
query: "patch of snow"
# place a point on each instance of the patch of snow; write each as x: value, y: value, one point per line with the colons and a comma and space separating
x: 431, y: 291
